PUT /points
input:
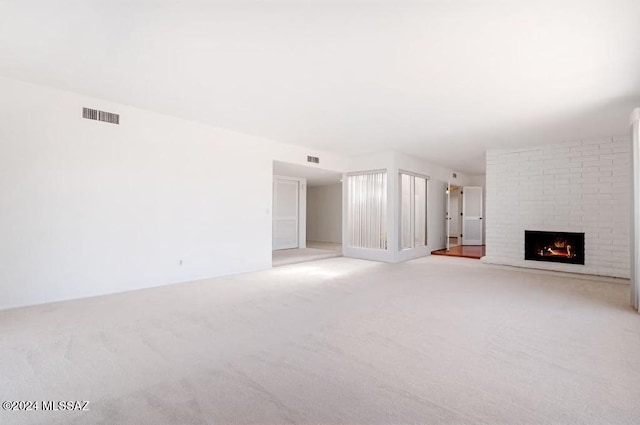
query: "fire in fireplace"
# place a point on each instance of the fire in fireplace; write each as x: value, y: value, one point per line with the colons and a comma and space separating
x: 560, y: 247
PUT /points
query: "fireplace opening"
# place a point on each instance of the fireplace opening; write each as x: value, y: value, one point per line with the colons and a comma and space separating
x: 559, y: 247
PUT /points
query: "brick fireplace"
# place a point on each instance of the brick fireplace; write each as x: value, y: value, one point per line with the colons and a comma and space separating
x: 581, y: 187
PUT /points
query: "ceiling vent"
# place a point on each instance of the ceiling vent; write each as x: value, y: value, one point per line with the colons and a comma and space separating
x: 313, y: 159
x: 94, y: 114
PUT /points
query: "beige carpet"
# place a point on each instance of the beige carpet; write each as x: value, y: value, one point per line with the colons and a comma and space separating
x: 435, y: 341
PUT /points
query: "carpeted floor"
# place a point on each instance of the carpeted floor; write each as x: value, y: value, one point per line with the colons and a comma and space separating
x: 438, y: 340
x: 314, y: 251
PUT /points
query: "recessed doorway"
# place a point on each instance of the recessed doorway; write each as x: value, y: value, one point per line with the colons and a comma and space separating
x: 454, y: 216
x: 463, y: 222
x: 307, y: 214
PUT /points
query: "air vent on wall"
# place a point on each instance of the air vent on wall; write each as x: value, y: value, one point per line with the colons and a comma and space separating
x: 94, y: 114
x: 313, y: 159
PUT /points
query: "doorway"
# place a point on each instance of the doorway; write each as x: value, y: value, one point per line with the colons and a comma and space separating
x: 464, y: 228
x: 454, y: 216
x: 307, y: 213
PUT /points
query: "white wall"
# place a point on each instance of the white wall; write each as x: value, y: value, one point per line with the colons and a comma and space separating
x: 583, y: 186
x: 89, y: 208
x: 324, y: 213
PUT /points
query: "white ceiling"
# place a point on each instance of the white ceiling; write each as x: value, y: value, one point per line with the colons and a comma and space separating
x: 314, y: 176
x: 443, y: 80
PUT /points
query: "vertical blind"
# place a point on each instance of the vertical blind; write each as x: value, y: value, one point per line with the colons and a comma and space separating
x: 367, y: 210
x: 413, y: 211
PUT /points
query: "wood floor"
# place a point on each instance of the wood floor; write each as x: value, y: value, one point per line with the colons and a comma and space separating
x: 466, y: 251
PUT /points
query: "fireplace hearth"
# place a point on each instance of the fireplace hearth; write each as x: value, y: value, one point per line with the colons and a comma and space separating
x: 558, y: 247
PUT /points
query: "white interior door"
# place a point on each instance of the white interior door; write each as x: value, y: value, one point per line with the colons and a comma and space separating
x: 472, y: 215
x: 285, y: 213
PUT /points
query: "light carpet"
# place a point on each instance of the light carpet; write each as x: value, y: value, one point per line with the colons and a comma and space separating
x: 313, y: 252
x: 437, y: 340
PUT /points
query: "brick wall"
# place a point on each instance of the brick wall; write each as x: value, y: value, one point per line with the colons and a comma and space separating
x: 583, y: 186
